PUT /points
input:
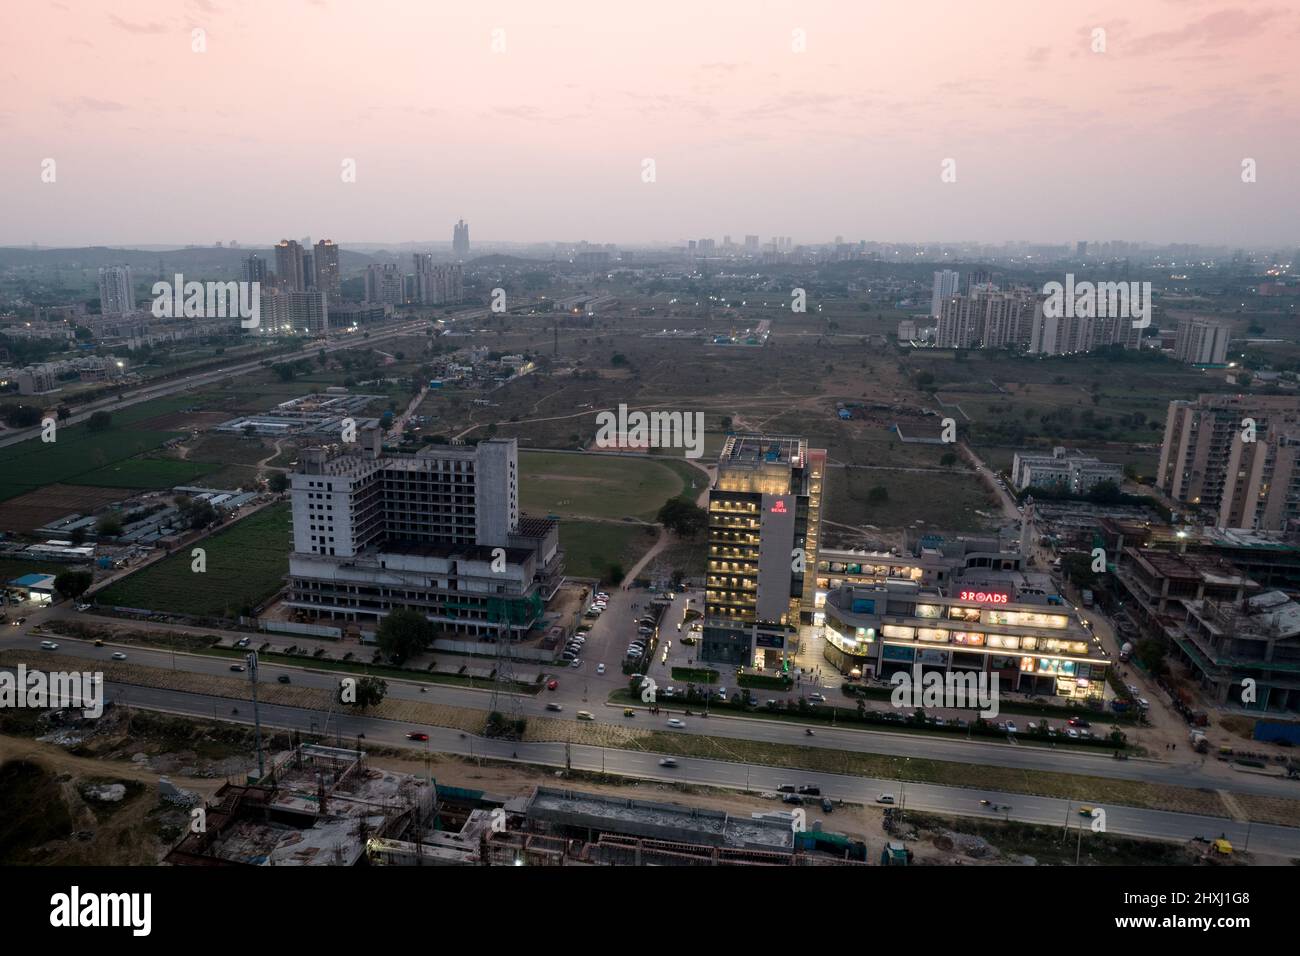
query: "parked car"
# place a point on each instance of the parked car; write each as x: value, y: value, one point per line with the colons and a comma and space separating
x: 1071, y: 732
x: 600, y: 668
x: 810, y: 790
x: 827, y: 805
x: 83, y: 607
x: 817, y: 698
x: 786, y: 788
x: 1144, y: 703
x: 792, y: 798
x: 1011, y: 727
x: 576, y: 662
x: 552, y: 684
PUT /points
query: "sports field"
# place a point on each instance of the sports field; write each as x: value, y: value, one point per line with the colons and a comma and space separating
x: 595, y: 485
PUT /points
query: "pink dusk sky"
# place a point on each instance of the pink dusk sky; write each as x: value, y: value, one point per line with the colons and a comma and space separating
x: 545, y: 140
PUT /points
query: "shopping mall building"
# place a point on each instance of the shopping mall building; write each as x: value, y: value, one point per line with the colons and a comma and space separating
x: 961, y: 605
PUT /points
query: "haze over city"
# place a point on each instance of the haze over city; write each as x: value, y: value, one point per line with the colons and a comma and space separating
x: 804, y: 119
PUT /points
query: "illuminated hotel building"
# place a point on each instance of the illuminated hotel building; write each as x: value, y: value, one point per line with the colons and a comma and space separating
x: 1039, y: 649
x: 764, y: 527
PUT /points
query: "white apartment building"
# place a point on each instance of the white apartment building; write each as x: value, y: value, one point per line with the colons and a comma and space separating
x: 438, y: 531
x: 1202, y: 342
x: 1065, y: 469
x: 946, y: 283
x: 116, y: 294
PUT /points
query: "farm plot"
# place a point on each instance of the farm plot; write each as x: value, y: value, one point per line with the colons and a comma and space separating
x: 246, y: 564
x: 37, y: 508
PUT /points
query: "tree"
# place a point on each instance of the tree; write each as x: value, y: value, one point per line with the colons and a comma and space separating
x: 72, y: 584
x: 683, y: 518
x: 371, y: 692
x: 99, y: 421
x: 878, y: 495
x: 278, y: 482
x: 109, y: 525
x: 613, y: 574
x: 404, y: 633
x: 64, y: 413
x: 948, y: 459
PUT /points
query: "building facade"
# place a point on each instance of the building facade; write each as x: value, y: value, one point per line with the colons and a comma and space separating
x: 116, y: 292
x: 764, y: 529
x: 1064, y: 469
x: 438, y: 531
x: 1202, y: 342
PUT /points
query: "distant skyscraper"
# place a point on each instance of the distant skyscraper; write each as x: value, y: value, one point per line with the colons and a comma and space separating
x: 1081, y: 248
x: 308, y: 312
x: 945, y: 284
x: 384, y: 283
x: 116, y: 295
x: 326, y: 260
x: 437, y: 284
x: 751, y: 245
x: 255, y: 269
x: 289, y: 266
x: 460, y: 239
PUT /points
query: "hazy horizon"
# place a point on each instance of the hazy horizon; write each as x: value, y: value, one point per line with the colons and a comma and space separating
x: 156, y: 144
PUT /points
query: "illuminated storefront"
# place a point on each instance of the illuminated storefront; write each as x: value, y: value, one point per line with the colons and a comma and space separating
x: 881, y: 630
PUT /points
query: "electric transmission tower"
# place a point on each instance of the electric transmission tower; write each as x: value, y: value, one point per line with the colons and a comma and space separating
x: 504, y: 699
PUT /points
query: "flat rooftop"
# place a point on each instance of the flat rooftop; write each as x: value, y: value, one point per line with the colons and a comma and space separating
x: 764, y: 449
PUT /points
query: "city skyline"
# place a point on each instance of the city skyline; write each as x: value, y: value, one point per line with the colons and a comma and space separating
x: 796, y: 120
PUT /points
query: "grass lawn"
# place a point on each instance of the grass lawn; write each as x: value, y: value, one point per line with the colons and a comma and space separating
x: 246, y: 563
x: 597, y: 486
x: 147, y: 473
x: 590, y: 547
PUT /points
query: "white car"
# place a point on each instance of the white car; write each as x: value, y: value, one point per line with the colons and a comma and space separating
x: 49, y: 646
x: 119, y: 656
x: 600, y: 668
x: 1011, y: 727
x: 819, y: 698
x: 674, y: 722
x: 577, y: 662
x: 1071, y: 732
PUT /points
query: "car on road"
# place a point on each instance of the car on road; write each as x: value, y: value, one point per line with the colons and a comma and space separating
x: 552, y: 684
x: 18, y: 620
x: 283, y: 679
x: 242, y: 642
x: 585, y: 715
x: 1143, y: 703
x: 416, y: 735
x: 83, y: 607
x: 577, y: 662
x: 885, y: 798
x: 554, y: 707
x: 667, y: 762
x: 818, y: 698
x: 600, y: 668
x: 237, y: 668
x: 674, y: 722
x: 1085, y: 811
x: 1132, y: 689
x: 99, y: 642
x: 49, y: 646
x: 119, y: 656
x: 1078, y: 722
x: 786, y: 788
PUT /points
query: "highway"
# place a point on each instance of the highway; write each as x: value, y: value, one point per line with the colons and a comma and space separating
x: 1127, y: 821
x: 1209, y: 774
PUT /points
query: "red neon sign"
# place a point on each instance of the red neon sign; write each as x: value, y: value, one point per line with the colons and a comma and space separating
x: 985, y: 597
x: 779, y: 507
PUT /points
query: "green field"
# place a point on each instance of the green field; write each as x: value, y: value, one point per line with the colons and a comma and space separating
x: 940, y: 500
x: 246, y: 564
x: 595, y: 486
x: 590, y: 547
x: 80, y: 456
x: 147, y: 473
